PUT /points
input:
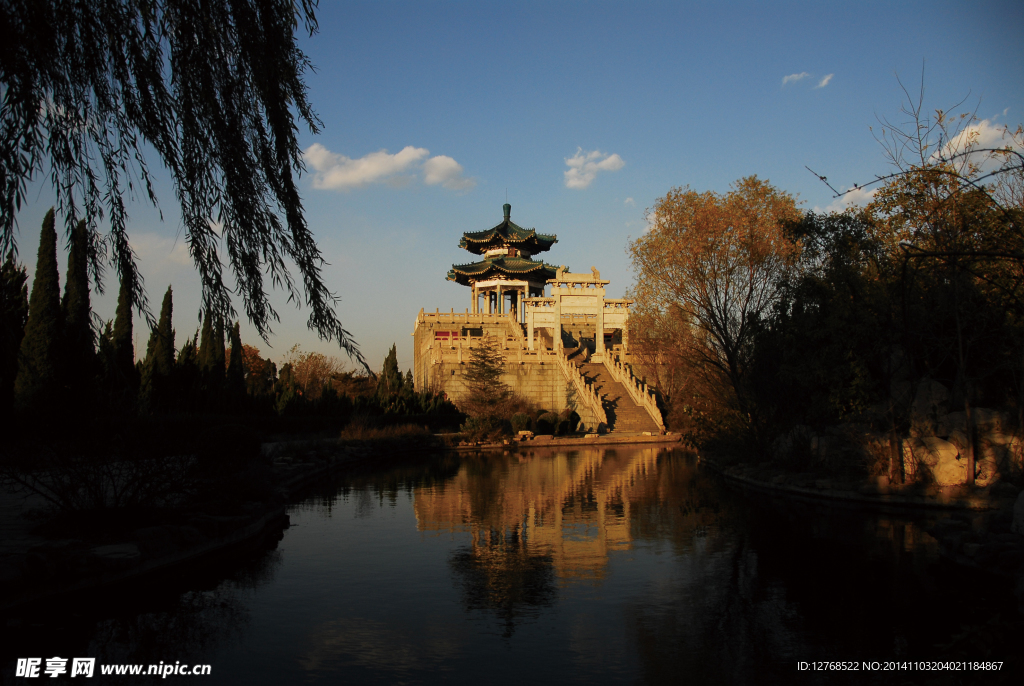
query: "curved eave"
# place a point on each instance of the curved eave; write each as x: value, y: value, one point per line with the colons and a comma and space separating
x: 506, y: 233
x: 478, y: 271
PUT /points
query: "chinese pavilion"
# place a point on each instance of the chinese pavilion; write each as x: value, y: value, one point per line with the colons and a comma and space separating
x: 506, y: 272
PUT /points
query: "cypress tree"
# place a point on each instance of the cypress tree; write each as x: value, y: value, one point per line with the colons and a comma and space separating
x: 39, y: 356
x: 187, y: 377
x: 159, y: 364
x: 13, y: 317
x: 236, y: 370
x: 124, y: 346
x: 220, y: 365
x: 80, y: 351
x: 390, y: 380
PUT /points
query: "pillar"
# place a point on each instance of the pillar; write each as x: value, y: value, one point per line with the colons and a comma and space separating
x: 501, y: 301
x: 556, y: 333
x: 599, y: 349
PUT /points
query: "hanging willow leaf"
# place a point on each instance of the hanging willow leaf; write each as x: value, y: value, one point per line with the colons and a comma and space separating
x: 216, y: 89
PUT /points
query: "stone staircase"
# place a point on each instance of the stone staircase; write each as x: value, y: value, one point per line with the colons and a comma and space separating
x: 624, y: 416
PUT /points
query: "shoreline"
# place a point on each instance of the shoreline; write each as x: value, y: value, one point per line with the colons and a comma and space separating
x: 976, y: 534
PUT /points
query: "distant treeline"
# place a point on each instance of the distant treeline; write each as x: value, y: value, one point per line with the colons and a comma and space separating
x: 56, y: 360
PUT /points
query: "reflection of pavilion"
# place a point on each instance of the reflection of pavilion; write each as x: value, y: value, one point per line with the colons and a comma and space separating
x: 573, y: 508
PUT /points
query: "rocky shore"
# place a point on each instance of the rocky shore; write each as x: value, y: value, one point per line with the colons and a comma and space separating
x: 983, y: 528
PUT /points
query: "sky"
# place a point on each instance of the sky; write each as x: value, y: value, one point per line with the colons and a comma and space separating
x: 581, y: 115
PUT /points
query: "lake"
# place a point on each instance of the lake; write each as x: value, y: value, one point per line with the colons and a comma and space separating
x: 589, y: 566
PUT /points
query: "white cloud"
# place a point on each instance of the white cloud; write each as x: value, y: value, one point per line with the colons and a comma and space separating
x: 630, y: 202
x: 584, y: 166
x: 794, y: 77
x: 443, y: 170
x: 154, y: 248
x: 980, y: 135
x: 858, y: 197
x: 824, y: 81
x: 334, y: 171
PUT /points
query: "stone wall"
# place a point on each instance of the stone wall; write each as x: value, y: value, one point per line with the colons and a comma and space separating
x: 544, y: 385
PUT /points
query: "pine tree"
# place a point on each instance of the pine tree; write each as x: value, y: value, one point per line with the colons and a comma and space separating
x: 80, y: 350
x: 13, y: 317
x: 37, y: 384
x: 483, y: 376
x: 159, y: 364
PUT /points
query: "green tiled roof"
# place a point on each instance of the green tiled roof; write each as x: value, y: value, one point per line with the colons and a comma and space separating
x: 507, y: 233
x: 508, y: 267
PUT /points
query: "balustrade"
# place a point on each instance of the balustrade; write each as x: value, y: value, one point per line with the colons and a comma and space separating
x: 637, y: 390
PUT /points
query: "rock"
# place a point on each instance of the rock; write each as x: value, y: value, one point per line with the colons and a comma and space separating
x: 930, y: 402
x: 953, y: 421
x: 117, y: 556
x: 1017, y: 526
x: 942, y: 459
x: 971, y: 549
x: 990, y: 421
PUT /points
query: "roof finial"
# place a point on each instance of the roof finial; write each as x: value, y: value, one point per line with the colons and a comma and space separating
x: 508, y: 210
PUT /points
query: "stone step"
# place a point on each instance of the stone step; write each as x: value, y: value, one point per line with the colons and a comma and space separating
x: 624, y: 415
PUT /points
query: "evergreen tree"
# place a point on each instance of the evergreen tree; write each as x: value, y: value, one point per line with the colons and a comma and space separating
x: 80, y: 351
x: 187, y: 376
x: 389, y: 382
x: 211, y: 362
x: 220, y: 363
x: 13, y: 317
x: 125, y: 378
x: 483, y: 376
x: 39, y: 357
x: 236, y: 370
x: 159, y: 364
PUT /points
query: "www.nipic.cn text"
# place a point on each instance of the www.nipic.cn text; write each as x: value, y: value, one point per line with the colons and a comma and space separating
x: 34, y: 667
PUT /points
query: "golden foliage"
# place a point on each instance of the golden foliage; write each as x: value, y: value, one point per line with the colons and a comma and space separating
x: 709, y: 267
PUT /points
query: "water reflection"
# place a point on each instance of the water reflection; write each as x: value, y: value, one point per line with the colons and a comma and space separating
x: 566, y: 510
x: 577, y: 567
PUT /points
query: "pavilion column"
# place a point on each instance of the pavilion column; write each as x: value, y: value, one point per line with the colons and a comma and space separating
x: 501, y: 301
x: 556, y: 332
x: 473, y: 309
x: 529, y: 326
x: 600, y: 326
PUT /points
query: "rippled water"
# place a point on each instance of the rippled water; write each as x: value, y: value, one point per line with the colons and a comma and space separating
x: 591, y: 566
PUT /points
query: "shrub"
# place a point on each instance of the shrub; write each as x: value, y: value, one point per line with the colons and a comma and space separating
x: 547, y: 423
x: 520, y: 422
x: 486, y: 428
x: 571, y: 418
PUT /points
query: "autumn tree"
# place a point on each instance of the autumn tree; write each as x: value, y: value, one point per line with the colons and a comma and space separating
x: 215, y: 90
x: 39, y: 357
x: 260, y: 373
x: 714, y: 264
x: 311, y: 372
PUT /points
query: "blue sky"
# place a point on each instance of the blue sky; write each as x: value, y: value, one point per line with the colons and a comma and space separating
x: 433, y: 111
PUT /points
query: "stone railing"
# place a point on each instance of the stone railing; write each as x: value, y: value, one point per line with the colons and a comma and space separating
x: 457, y: 351
x: 584, y: 392
x: 517, y: 330
x: 637, y: 390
